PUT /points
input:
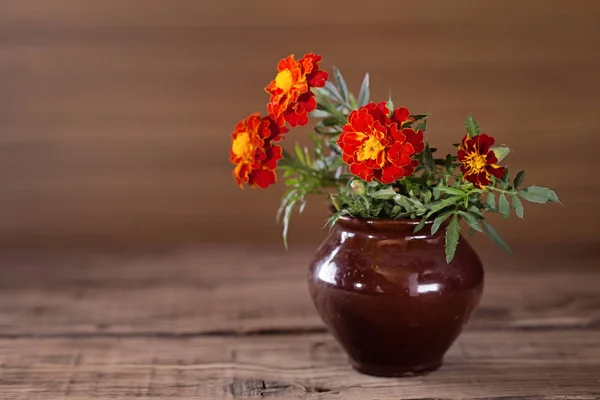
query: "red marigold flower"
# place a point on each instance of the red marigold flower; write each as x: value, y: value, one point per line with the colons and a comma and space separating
x: 376, y: 146
x: 291, y: 98
x: 478, y: 160
x: 253, y: 151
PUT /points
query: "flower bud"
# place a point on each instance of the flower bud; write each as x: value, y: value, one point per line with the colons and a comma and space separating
x: 358, y: 187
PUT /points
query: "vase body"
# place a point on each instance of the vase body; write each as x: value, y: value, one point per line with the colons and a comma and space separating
x: 389, y: 297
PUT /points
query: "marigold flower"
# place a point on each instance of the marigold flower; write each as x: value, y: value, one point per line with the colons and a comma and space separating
x: 291, y: 98
x: 376, y: 146
x: 253, y: 151
x: 478, y: 160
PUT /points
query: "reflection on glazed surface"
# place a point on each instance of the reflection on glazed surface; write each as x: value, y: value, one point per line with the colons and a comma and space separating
x: 388, y: 295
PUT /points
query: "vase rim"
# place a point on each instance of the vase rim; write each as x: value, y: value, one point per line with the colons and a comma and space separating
x: 385, y: 221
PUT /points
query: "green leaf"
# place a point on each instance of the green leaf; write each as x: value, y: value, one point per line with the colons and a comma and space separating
x: 286, y: 218
x: 319, y: 114
x: 495, y: 236
x: 421, y: 225
x: 471, y: 220
x: 422, y: 126
x: 449, y: 164
x: 390, y: 103
x: 384, y: 194
x: 538, y: 194
x: 452, y: 190
x: 428, y: 162
x: 519, y: 179
x: 490, y: 202
x: 476, y: 211
x: 503, y: 206
x: 501, y: 152
x: 427, y: 197
x: 403, y: 202
x: 341, y: 84
x: 299, y: 153
x: 365, y: 94
x: 330, y: 121
x: 517, y: 205
x: 505, y: 181
x: 472, y: 126
x: 331, y: 91
x: 441, y: 204
x: 452, y: 236
x: 437, y: 222
x: 420, y: 116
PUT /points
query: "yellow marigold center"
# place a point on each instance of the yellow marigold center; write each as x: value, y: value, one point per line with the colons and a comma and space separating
x: 242, y: 146
x: 370, y: 149
x: 284, y: 80
x: 476, y: 162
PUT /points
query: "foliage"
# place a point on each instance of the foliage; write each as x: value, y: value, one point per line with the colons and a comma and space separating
x: 436, y: 190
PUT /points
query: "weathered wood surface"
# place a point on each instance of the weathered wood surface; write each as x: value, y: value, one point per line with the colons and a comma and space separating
x: 234, y: 322
x: 115, y: 115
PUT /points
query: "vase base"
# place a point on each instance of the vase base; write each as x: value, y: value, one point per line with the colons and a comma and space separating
x: 395, y: 370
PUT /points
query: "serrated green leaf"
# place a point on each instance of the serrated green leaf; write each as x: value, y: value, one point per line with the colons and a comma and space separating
x: 472, y: 126
x: 364, y: 95
x: 472, y: 231
x: 422, y: 126
x: 341, y: 84
x: 519, y: 179
x: 495, y: 236
x: 501, y: 152
x: 437, y: 222
x: 470, y: 220
x: 538, y: 194
x: 384, y: 194
x: 490, y: 201
x: 517, y: 205
x: 452, y: 236
x: 503, y: 206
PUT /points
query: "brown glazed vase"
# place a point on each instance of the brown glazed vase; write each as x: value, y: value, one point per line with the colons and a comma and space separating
x: 388, y: 296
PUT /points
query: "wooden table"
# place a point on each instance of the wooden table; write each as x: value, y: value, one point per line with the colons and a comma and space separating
x: 235, y: 322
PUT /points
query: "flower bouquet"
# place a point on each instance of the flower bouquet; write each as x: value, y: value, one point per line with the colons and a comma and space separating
x: 395, y: 281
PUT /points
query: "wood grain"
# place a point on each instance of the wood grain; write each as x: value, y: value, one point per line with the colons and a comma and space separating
x: 207, y: 291
x: 501, y: 365
x: 236, y: 322
x: 115, y: 116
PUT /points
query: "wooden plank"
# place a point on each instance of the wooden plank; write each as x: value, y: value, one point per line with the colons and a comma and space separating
x: 200, y: 291
x: 491, y: 365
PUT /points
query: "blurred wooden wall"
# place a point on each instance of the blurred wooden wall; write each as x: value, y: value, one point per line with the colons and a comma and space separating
x: 115, y: 115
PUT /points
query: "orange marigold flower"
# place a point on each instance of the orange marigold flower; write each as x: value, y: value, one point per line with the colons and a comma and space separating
x: 291, y: 98
x: 376, y: 146
x: 253, y: 151
x: 478, y: 160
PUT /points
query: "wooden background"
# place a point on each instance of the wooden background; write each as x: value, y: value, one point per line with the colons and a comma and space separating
x: 115, y: 115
